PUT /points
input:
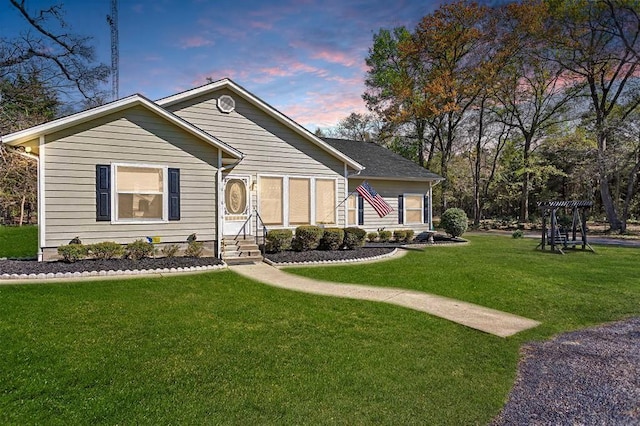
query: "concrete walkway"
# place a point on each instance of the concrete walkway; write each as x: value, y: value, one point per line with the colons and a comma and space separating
x: 480, y: 318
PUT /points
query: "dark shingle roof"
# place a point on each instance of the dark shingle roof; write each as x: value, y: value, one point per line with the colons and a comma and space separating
x: 380, y: 162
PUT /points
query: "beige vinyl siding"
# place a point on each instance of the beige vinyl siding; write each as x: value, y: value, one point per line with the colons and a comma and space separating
x: 269, y: 147
x: 135, y: 136
x: 389, y: 190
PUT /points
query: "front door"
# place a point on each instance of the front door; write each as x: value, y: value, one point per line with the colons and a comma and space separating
x: 236, y: 204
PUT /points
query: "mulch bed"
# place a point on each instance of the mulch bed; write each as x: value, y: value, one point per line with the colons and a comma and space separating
x: 586, y: 377
x: 35, y: 267
x: 289, y: 256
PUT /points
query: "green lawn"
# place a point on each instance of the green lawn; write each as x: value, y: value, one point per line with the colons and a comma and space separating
x: 217, y: 348
x: 18, y: 241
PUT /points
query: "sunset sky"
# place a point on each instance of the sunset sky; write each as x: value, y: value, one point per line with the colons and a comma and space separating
x: 304, y: 57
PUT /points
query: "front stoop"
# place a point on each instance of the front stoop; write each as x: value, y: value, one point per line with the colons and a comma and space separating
x: 237, y: 250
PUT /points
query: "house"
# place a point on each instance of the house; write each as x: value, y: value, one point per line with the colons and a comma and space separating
x: 216, y: 161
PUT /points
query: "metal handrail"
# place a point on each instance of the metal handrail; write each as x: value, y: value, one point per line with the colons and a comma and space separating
x: 243, y: 229
x: 264, y: 231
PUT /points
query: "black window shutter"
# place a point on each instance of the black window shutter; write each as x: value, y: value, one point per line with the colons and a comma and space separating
x: 103, y: 192
x: 425, y: 206
x: 174, y: 194
x: 400, y: 209
x: 360, y: 210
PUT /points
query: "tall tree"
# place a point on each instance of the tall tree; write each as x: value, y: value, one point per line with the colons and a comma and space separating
x: 607, y: 63
x: 392, y: 91
x: 533, y: 92
x: 25, y: 101
x: 65, y: 60
x: 449, y: 51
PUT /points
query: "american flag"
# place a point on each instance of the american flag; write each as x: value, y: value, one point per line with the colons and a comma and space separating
x: 373, y: 198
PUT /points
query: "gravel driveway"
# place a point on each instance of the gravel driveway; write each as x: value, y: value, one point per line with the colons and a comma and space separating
x: 587, y: 377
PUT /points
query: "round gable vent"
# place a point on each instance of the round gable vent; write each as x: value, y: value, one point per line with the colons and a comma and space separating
x: 226, y: 103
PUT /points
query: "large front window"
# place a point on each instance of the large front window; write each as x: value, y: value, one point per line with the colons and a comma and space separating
x: 299, y: 201
x: 325, y: 201
x: 413, y: 208
x: 140, y: 193
x: 271, y: 200
x: 293, y: 201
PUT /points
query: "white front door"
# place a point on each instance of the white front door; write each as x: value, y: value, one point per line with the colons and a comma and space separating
x: 236, y: 204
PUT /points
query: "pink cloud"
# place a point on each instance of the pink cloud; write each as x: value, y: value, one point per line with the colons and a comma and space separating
x: 195, y: 41
x: 335, y: 57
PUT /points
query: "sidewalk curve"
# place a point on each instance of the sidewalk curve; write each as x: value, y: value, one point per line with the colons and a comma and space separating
x: 478, y: 317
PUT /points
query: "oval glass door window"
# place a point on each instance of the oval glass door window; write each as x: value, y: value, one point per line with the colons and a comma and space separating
x: 235, y: 196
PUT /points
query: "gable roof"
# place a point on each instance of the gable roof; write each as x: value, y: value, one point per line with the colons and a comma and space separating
x: 382, y: 163
x: 122, y: 104
x: 227, y: 83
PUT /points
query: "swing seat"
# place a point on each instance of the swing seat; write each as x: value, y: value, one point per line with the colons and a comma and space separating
x: 558, y: 238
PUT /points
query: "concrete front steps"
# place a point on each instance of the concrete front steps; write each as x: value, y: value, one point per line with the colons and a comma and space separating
x: 239, y: 250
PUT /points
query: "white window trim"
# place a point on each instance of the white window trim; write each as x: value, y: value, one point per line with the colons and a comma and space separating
x: 285, y: 198
x: 404, y: 208
x: 115, y: 220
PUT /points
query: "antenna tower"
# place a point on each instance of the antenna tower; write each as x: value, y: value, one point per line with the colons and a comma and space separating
x: 112, y: 20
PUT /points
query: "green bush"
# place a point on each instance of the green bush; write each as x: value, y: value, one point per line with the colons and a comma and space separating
x: 73, y: 252
x: 409, y: 233
x: 106, y: 250
x: 194, y: 249
x: 332, y: 239
x: 139, y: 249
x: 354, y: 237
x: 307, y: 238
x: 399, y: 235
x: 454, y: 221
x: 278, y: 240
x: 371, y: 236
x: 517, y: 233
x: 170, y: 250
x: 384, y: 236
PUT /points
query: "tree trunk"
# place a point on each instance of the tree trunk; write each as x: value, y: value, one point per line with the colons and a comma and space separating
x: 605, y: 191
x: 627, y: 200
x: 524, y: 200
x: 477, y: 164
x: 22, y: 202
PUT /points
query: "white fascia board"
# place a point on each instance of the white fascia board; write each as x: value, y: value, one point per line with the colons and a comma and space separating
x: 229, y: 84
x: 134, y: 100
x: 403, y: 179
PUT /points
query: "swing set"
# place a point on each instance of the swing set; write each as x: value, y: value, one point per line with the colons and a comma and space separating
x: 557, y: 236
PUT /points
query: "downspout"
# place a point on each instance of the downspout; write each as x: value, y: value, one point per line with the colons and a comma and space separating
x: 345, y: 208
x: 41, y: 202
x: 219, y: 206
x: 430, y: 212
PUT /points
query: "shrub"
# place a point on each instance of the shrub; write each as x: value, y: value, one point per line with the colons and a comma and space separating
x: 278, y: 240
x: 517, y: 233
x: 409, y: 233
x: 332, y: 239
x: 72, y: 252
x: 384, y: 236
x: 194, y: 249
x: 454, y: 221
x: 371, y: 236
x: 354, y: 237
x: 106, y: 250
x: 170, y: 250
x: 139, y: 249
x: 307, y: 238
x: 399, y: 235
